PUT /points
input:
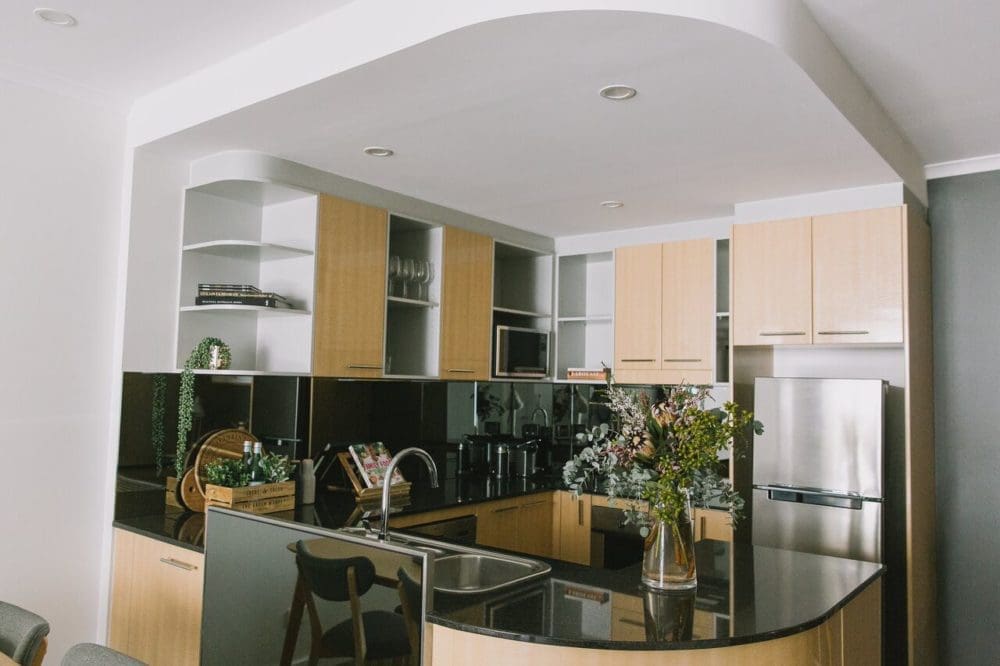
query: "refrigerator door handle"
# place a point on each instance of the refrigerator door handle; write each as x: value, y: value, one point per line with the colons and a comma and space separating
x: 830, y: 498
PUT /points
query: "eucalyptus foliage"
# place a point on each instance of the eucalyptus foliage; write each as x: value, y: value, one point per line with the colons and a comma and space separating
x: 228, y: 472
x: 276, y: 467
x: 664, y: 452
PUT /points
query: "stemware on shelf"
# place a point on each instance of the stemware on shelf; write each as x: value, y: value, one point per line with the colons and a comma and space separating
x: 395, y: 266
x: 428, y: 278
x: 419, y: 277
x: 406, y: 273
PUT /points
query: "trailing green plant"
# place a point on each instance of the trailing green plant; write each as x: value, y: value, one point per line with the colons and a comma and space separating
x: 228, y: 472
x: 276, y: 467
x: 200, y: 359
x: 158, y: 433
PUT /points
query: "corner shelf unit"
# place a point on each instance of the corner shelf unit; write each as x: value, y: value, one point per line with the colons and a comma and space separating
x: 585, y: 323
x: 413, y: 321
x: 258, y: 233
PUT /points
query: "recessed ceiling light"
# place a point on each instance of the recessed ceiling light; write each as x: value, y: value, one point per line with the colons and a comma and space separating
x: 379, y: 151
x: 55, y: 17
x: 613, y: 203
x: 618, y: 92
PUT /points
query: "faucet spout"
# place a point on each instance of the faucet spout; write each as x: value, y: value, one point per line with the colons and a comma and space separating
x: 383, y: 533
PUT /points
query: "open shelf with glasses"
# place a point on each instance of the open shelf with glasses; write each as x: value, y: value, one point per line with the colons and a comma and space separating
x: 249, y: 233
x: 413, y: 296
x: 585, y: 320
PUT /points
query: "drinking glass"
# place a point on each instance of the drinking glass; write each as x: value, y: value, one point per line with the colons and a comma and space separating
x: 419, y: 277
x: 406, y: 273
x: 395, y: 266
x: 428, y: 277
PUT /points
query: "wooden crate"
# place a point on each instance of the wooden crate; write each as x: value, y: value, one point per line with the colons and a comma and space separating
x: 266, y: 498
x: 171, y: 497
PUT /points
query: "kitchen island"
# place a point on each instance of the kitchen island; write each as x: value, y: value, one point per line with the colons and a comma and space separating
x: 752, y: 605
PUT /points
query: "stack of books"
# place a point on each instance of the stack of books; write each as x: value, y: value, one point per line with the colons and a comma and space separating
x: 239, y: 294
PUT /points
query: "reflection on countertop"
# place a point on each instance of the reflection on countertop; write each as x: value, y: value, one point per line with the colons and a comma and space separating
x: 331, y: 510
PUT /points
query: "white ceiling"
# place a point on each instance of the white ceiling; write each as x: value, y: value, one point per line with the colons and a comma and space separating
x: 503, y: 120
x: 122, y: 49
x: 934, y: 66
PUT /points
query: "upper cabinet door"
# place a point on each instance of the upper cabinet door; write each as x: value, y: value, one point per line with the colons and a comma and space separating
x: 466, y: 305
x: 349, y: 312
x: 688, y: 321
x: 858, y: 277
x: 638, y: 272
x: 772, y: 283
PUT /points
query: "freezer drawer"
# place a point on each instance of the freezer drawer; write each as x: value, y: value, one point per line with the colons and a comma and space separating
x: 788, y: 519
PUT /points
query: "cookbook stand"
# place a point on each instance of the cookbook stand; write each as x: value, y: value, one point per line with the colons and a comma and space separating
x: 358, y: 487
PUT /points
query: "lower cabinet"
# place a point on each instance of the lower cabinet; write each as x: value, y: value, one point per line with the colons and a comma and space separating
x: 712, y: 524
x: 521, y: 524
x: 573, y: 533
x: 156, y: 601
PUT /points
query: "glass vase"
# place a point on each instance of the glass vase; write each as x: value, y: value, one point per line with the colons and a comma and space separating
x: 668, y: 561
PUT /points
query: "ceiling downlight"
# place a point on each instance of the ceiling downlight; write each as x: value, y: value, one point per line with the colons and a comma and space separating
x: 55, y: 17
x: 379, y: 151
x: 618, y: 92
x: 612, y: 203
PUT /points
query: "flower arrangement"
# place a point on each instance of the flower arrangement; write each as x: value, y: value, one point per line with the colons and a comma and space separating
x: 663, y: 450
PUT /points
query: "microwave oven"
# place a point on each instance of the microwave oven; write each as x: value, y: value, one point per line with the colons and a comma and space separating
x: 521, y: 352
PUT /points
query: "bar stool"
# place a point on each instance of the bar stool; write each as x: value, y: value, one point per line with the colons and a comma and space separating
x: 22, y: 634
x: 367, y: 636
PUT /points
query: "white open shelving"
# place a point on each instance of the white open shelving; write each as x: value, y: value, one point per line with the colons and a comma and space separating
x: 256, y: 233
x: 585, y: 323
x: 522, y: 291
x: 413, y: 324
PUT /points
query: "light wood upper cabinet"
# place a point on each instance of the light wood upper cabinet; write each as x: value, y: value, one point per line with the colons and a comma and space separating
x: 638, y: 271
x: 665, y: 313
x: 688, y: 310
x: 156, y: 601
x: 858, y: 277
x: 349, y: 313
x: 772, y: 282
x: 466, y: 305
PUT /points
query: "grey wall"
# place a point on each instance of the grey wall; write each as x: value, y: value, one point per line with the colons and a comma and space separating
x: 965, y: 222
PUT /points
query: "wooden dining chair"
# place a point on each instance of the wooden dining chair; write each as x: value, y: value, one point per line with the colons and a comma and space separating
x: 411, y: 601
x: 367, y: 637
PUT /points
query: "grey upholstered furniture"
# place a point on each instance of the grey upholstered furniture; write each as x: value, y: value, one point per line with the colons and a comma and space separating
x: 89, y: 654
x: 21, y: 633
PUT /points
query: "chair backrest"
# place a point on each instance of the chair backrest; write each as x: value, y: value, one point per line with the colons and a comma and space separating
x: 327, y: 578
x: 21, y: 633
x: 411, y: 599
x: 90, y: 654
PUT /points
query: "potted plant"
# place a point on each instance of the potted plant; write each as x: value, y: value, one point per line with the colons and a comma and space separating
x: 209, y: 354
x: 665, y: 451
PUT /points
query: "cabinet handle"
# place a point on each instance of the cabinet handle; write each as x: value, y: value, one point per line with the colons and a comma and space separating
x: 842, y: 332
x: 634, y: 623
x: 505, y: 510
x: 177, y: 563
x: 460, y: 370
x: 579, y: 512
x: 535, y: 503
x: 701, y: 528
x: 637, y: 360
x: 364, y: 366
x: 776, y: 333
x: 682, y: 360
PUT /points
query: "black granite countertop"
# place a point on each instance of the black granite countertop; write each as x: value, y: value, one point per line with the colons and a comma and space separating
x: 745, y: 594
x: 331, y: 509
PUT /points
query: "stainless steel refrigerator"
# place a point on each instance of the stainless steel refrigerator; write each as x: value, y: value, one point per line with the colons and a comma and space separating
x: 817, y: 469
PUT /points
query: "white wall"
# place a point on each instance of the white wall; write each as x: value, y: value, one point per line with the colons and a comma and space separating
x: 61, y: 163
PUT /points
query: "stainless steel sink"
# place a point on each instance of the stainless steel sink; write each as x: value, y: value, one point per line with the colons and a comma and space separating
x: 476, y: 572
x: 463, y: 569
